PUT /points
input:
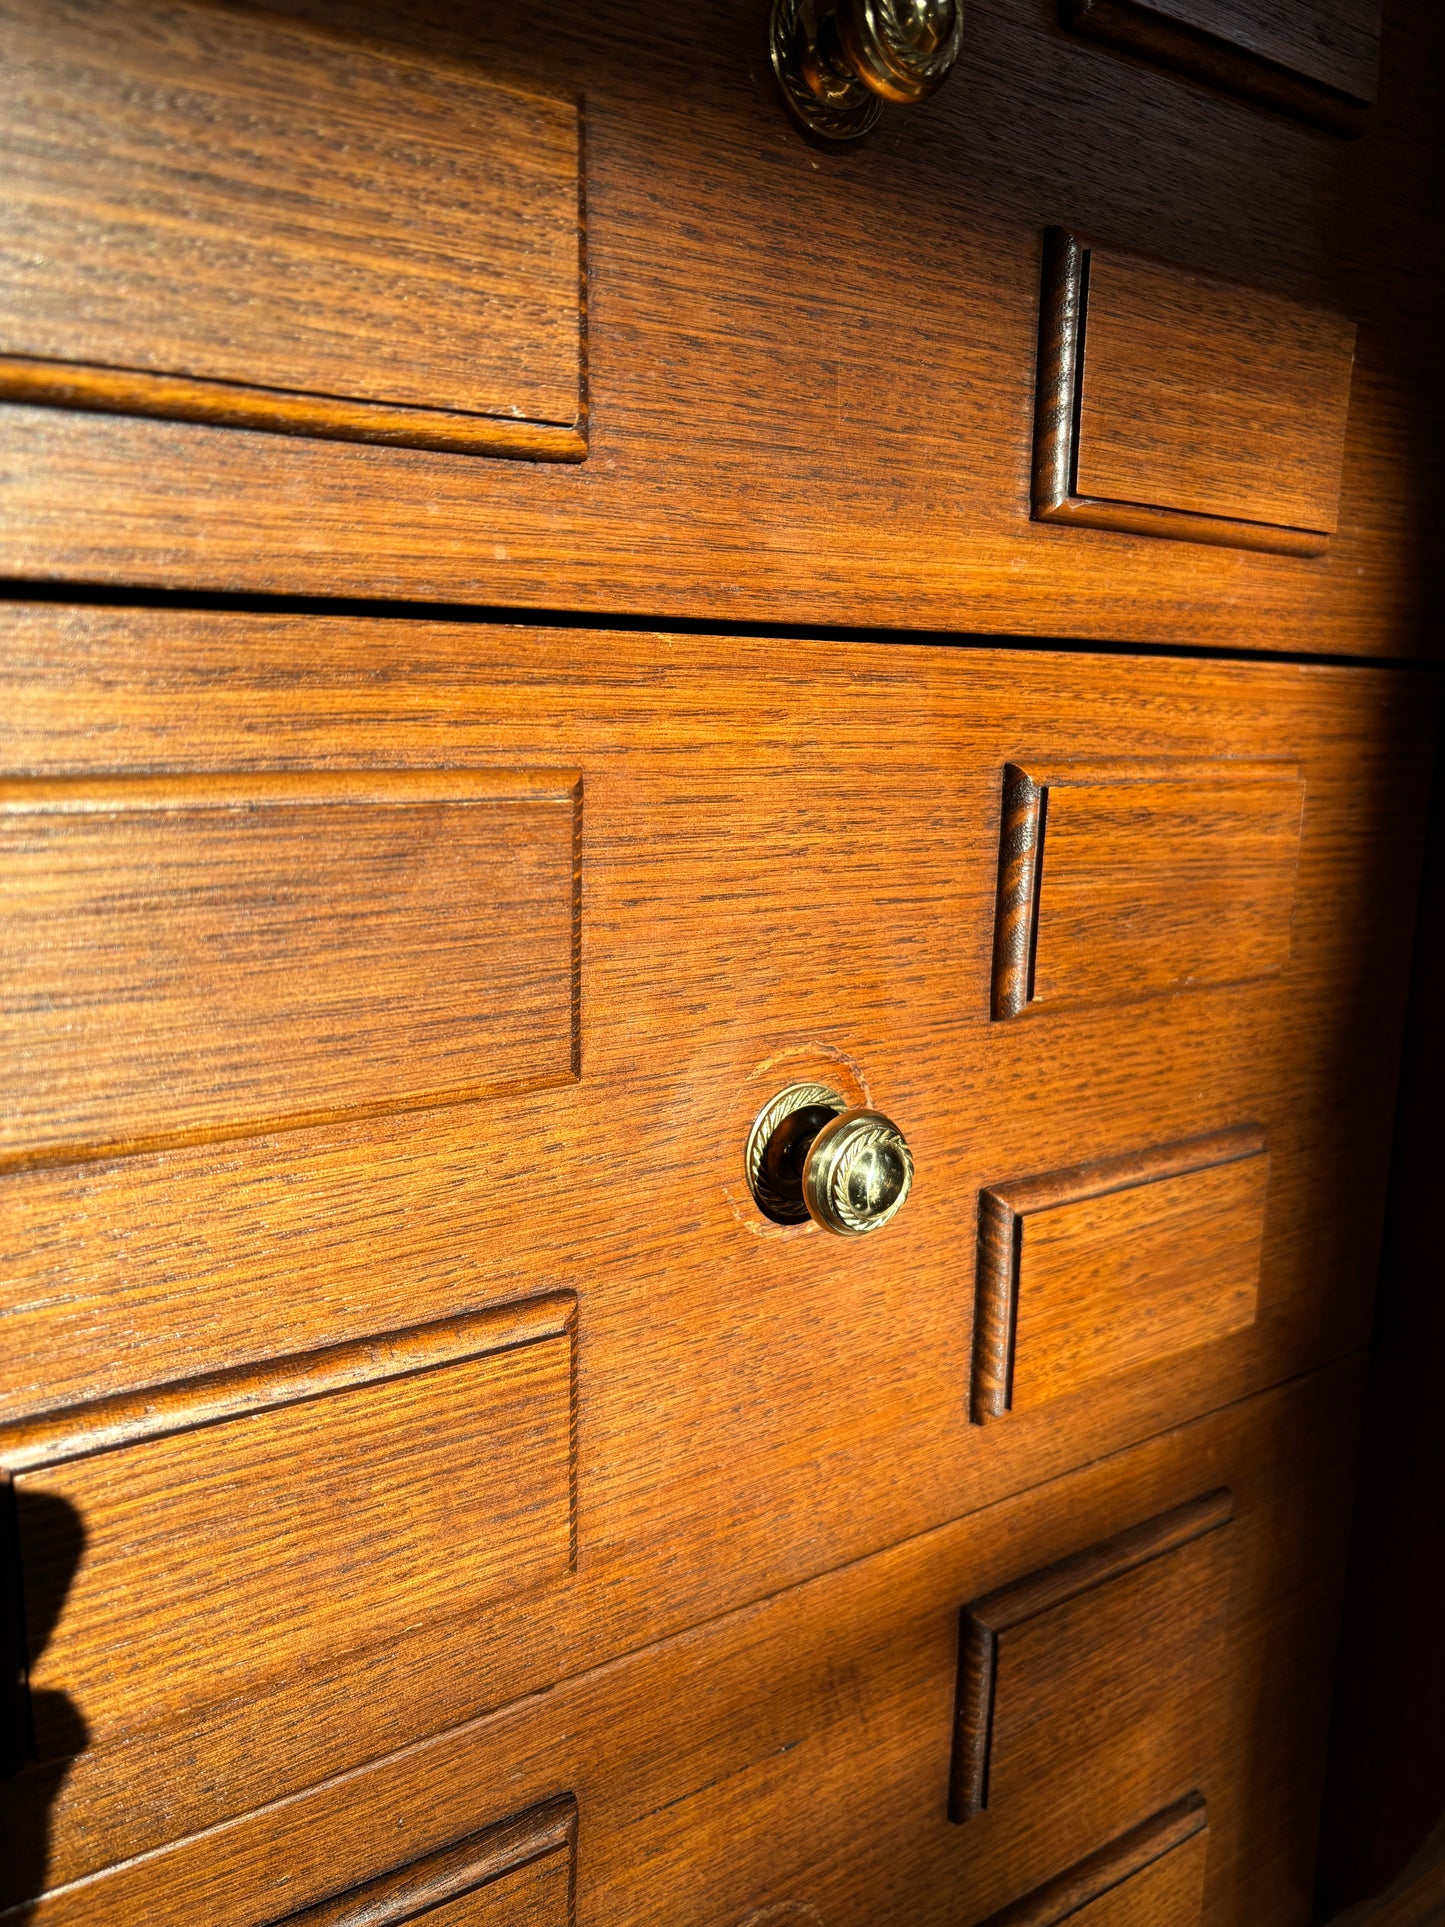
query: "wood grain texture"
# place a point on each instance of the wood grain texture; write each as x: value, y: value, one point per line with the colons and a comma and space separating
x: 1144, y: 879
x: 1089, y: 1272
x: 707, y: 1799
x: 1152, y: 1876
x: 298, y: 234
x: 810, y: 386
x: 1308, y: 58
x: 754, y: 1405
x: 517, y: 1873
x: 1171, y: 403
x: 190, y: 958
x: 241, y: 1531
x: 1035, y: 1662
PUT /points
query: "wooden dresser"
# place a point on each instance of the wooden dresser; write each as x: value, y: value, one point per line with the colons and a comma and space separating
x: 716, y: 734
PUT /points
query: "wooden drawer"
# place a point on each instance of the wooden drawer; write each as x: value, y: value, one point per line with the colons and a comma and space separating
x: 729, y: 379
x: 809, y: 1781
x: 405, y: 993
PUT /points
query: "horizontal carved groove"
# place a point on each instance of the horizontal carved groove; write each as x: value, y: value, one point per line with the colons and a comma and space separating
x: 1137, y: 29
x: 84, y: 796
x: 223, y: 404
x: 1019, y: 852
x: 1219, y: 531
x: 474, y: 1862
x: 1103, y: 1175
x: 1010, y: 1606
x: 1093, y: 1877
x: 103, y: 1425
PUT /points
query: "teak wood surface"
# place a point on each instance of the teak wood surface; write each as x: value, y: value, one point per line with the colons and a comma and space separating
x: 782, y: 875
x: 1153, y: 1876
x: 810, y: 376
x: 795, y: 1755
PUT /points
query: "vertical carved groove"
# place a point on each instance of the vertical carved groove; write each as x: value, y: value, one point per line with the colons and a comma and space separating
x: 1020, y: 845
x: 1061, y: 328
x: 994, y: 1308
x: 972, y: 1720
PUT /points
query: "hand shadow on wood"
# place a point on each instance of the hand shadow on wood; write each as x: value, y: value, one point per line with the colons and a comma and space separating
x: 44, y: 1538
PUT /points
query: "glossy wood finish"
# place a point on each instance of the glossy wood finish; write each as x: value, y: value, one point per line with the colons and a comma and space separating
x: 518, y: 1873
x: 794, y: 1755
x: 1153, y: 1876
x: 298, y: 234
x: 1055, y: 1652
x: 189, y: 958
x: 240, y: 1533
x: 1117, y: 881
x: 1316, y: 59
x: 774, y: 884
x: 811, y: 377
x: 1085, y: 1273
x: 1176, y: 405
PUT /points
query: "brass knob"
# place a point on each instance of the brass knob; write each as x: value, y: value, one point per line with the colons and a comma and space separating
x: 810, y: 1155
x: 837, y: 61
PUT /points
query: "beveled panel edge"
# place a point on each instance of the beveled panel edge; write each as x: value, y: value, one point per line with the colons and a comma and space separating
x: 200, y: 790
x: 982, y: 1621
x: 421, y: 1885
x: 1134, y: 28
x: 1020, y: 841
x: 1090, y: 1879
x: 1002, y: 1209
x: 94, y: 389
x: 212, y: 1398
x: 1063, y: 332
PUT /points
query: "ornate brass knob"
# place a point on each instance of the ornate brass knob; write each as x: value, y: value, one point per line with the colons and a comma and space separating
x: 810, y: 1156
x: 837, y: 61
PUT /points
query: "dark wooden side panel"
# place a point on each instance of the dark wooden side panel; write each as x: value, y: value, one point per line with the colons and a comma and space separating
x: 291, y: 233
x: 518, y: 1873
x: 1318, y: 60
x: 1152, y: 1876
x: 1047, y: 1676
x: 251, y: 1527
x: 184, y: 958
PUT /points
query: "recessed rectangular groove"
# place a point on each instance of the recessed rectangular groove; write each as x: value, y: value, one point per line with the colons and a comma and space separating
x: 220, y: 1517
x: 985, y: 1622
x: 1079, y: 1886
x: 498, y: 1854
x: 200, y: 957
x: 1235, y: 416
x: 1168, y: 1267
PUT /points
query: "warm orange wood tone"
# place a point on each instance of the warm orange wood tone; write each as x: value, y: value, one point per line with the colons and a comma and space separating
x: 288, y: 232
x: 810, y: 385
x: 516, y: 1874
x: 776, y: 883
x: 795, y: 1754
x: 241, y: 1533
x: 1144, y: 878
x: 1317, y: 59
x: 1210, y: 399
x: 1090, y: 1272
x: 1056, y: 1653
x: 189, y: 957
x: 1153, y: 1876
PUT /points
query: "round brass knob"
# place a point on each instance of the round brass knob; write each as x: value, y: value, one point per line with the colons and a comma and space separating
x: 837, y: 61
x: 811, y: 1155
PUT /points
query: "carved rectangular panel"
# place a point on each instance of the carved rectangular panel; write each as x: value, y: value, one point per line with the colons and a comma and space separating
x: 1122, y: 1262
x: 1316, y: 59
x: 190, y: 1542
x: 294, y: 233
x: 1152, y: 1876
x: 1170, y: 403
x: 1049, y: 1682
x: 1118, y: 881
x: 189, y: 957
x: 518, y: 1873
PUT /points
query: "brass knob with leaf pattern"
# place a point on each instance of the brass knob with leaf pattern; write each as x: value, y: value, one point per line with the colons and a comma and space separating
x: 838, y: 61
x: 812, y: 1155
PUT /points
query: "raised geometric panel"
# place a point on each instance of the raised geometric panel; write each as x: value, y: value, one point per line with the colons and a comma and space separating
x: 1152, y: 1876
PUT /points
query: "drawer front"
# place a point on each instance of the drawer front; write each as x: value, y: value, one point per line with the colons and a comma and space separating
x: 791, y: 1762
x: 483, y: 1039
